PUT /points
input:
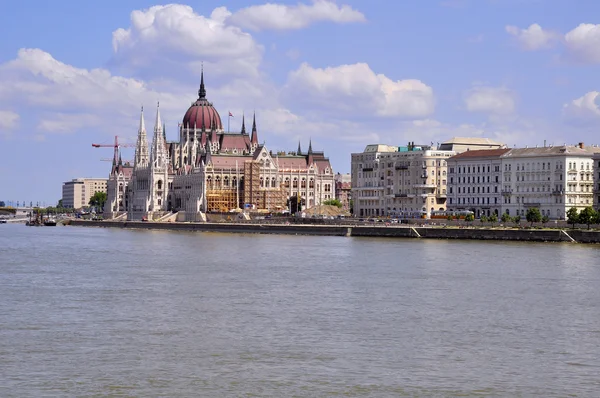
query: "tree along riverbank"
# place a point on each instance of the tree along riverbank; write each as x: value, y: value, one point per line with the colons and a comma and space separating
x: 382, y: 230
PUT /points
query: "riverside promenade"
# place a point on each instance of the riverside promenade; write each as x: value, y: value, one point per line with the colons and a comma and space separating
x: 391, y: 231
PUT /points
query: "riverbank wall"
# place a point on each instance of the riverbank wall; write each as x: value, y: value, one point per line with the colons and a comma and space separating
x: 401, y: 231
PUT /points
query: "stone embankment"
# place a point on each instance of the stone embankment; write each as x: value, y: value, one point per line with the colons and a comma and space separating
x: 399, y: 231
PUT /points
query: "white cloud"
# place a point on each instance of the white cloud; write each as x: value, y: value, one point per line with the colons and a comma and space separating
x: 66, y: 97
x: 534, y: 37
x: 491, y: 100
x: 162, y: 40
x: 357, y: 90
x: 284, y: 17
x: 583, y: 43
x: 8, y: 120
x: 584, y: 109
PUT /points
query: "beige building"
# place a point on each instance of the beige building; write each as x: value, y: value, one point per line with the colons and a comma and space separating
x: 405, y: 181
x: 78, y: 192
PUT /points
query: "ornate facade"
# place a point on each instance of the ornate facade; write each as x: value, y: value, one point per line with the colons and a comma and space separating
x: 210, y: 170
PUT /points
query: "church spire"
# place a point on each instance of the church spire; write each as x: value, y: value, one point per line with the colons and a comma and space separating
x: 299, y: 152
x: 141, y: 146
x: 202, y: 91
x: 254, y: 137
x: 243, y: 125
x: 310, y: 147
x: 158, y: 142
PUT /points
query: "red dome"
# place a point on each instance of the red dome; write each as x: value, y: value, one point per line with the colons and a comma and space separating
x: 202, y: 114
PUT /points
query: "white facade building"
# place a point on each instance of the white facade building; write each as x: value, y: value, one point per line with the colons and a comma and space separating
x: 553, y: 179
x: 596, y: 159
x: 475, y: 182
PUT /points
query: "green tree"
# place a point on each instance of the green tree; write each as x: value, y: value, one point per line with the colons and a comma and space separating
x: 2, y: 204
x: 333, y: 202
x: 545, y: 220
x: 60, y: 204
x: 533, y: 215
x: 587, y: 216
x: 505, y: 218
x: 469, y: 218
x: 483, y: 219
x: 596, y: 218
x: 572, y: 216
x: 493, y: 219
x: 98, y: 200
x: 517, y: 220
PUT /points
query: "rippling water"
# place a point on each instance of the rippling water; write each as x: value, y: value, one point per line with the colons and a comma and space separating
x: 109, y: 312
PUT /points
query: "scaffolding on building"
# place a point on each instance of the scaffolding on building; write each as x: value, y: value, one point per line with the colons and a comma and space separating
x: 262, y: 189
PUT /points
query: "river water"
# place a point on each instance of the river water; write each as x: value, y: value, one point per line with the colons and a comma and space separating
x: 126, y: 313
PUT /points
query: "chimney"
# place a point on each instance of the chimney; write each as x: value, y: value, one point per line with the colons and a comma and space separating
x: 581, y: 145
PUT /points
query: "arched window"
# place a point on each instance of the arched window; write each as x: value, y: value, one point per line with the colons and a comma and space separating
x: 209, y: 182
x: 218, y: 182
x: 295, y: 183
x: 159, y: 184
x: 273, y: 182
x: 303, y: 183
x: 226, y: 181
x: 287, y: 182
x: 311, y: 183
x: 262, y: 182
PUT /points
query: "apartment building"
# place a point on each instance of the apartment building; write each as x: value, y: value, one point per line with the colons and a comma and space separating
x: 78, y: 192
x: 368, y: 180
x: 475, y: 181
x: 553, y: 179
x: 343, y: 189
x: 596, y: 159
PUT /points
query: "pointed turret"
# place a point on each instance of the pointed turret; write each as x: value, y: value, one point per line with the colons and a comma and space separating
x: 202, y: 91
x: 159, y: 150
x: 254, y: 137
x: 243, y: 125
x: 299, y: 152
x: 141, y: 147
x: 310, y: 147
x: 165, y: 131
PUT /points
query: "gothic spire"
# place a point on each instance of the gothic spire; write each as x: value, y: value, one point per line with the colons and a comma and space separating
x: 141, y: 146
x: 299, y: 152
x: 243, y: 125
x: 202, y: 91
x: 310, y: 147
x: 254, y: 137
x: 158, y: 142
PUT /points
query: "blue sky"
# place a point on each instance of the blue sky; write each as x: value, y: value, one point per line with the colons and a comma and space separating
x: 344, y: 74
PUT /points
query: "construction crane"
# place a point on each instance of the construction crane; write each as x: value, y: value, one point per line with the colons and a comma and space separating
x: 117, y: 146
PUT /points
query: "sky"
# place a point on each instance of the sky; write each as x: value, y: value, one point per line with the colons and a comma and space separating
x: 343, y: 74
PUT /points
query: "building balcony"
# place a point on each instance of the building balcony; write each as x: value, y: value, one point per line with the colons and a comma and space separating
x: 367, y: 169
x: 401, y: 167
x: 506, y: 192
x: 558, y: 192
x: 404, y: 195
x: 441, y: 195
x: 572, y: 171
x: 430, y: 186
x: 531, y: 204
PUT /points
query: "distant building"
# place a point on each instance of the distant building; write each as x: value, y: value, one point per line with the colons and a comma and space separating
x: 475, y: 181
x: 462, y: 144
x: 406, y: 181
x: 78, y: 192
x: 550, y: 178
x: 208, y: 169
x: 343, y: 189
x: 596, y: 160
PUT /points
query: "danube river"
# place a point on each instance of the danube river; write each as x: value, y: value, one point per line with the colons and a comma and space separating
x: 135, y: 313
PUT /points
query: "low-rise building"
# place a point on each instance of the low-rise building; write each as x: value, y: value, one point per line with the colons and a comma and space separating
x: 78, y: 192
